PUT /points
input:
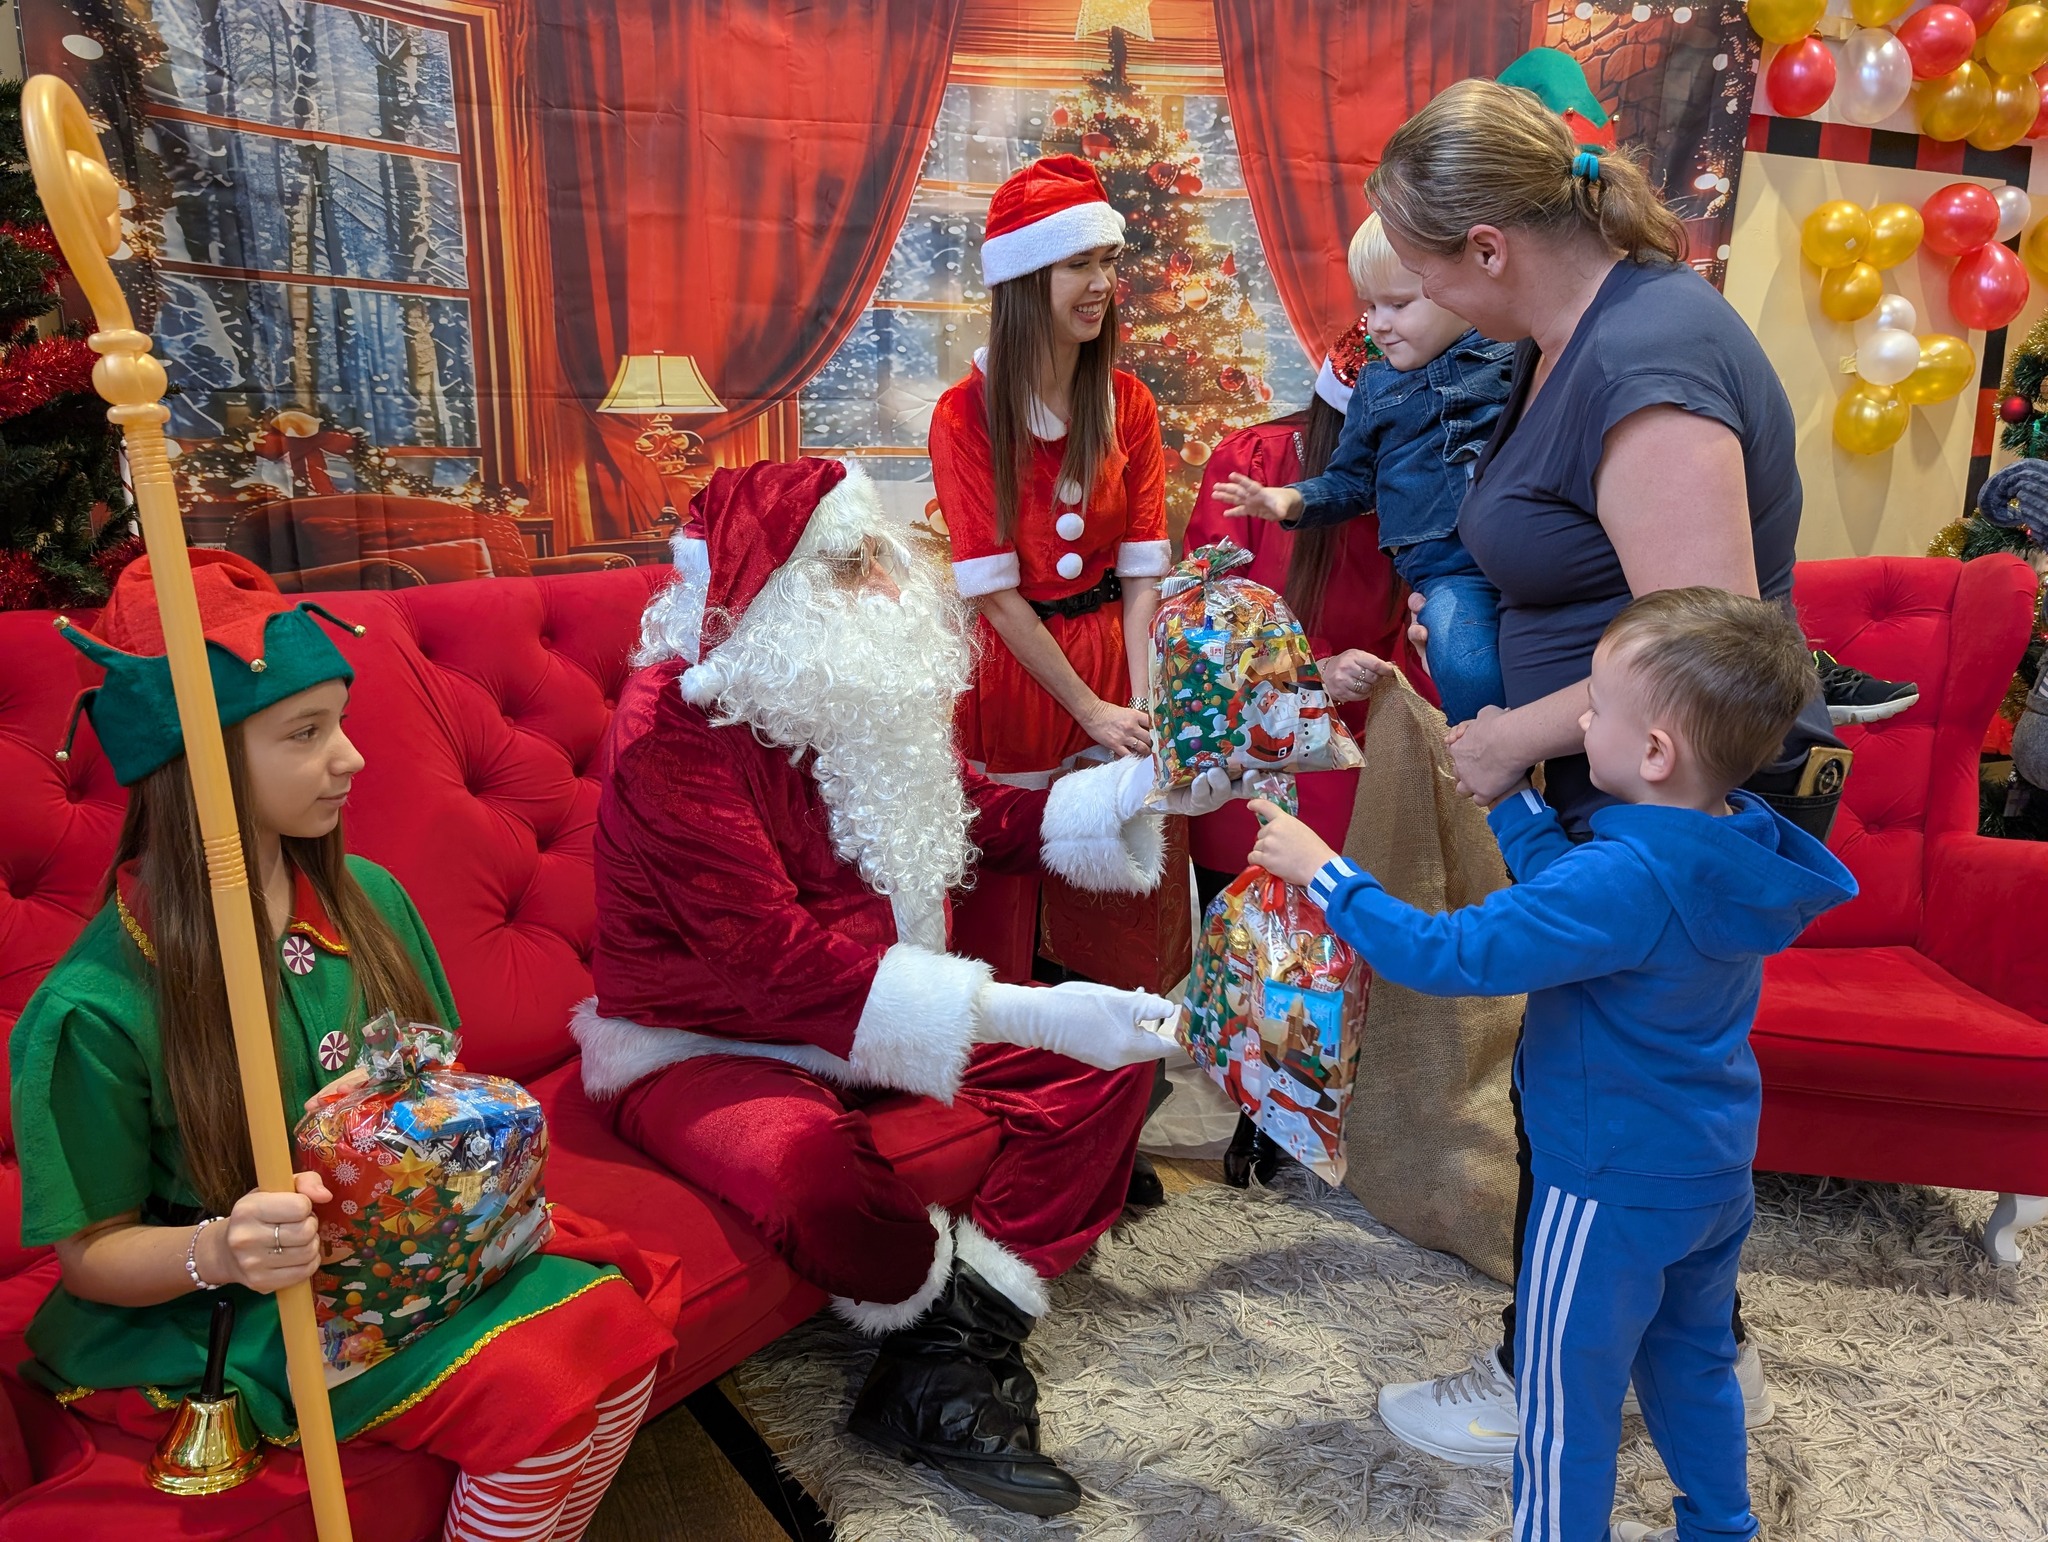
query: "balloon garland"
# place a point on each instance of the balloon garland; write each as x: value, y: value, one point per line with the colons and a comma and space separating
x: 1974, y: 69
x: 1896, y: 370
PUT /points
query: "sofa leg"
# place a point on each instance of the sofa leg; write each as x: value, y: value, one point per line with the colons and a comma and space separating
x: 2013, y: 1214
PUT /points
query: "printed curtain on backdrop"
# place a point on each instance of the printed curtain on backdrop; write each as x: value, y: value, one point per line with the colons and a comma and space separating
x: 724, y: 182
x: 1317, y: 87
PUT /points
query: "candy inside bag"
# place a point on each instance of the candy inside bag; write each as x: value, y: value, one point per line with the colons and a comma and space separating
x: 1234, y: 683
x: 1275, y: 1013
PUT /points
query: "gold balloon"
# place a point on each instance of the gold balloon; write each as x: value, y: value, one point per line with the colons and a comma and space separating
x: 1895, y: 232
x: 1878, y: 13
x: 2015, y: 103
x: 1835, y: 234
x: 1785, y: 21
x: 1954, y: 104
x: 2034, y: 248
x: 1947, y: 364
x: 1851, y: 293
x: 2018, y: 43
x: 1870, y: 418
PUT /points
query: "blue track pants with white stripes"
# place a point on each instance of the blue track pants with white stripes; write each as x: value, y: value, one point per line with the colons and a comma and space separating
x: 1607, y: 1292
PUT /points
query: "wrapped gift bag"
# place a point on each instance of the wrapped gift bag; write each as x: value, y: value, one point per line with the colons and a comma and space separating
x: 436, y: 1176
x: 1274, y: 1013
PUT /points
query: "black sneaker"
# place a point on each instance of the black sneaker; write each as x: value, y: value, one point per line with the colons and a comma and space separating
x: 1854, y: 697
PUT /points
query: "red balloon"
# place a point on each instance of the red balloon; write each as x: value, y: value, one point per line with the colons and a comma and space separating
x: 1801, y: 78
x: 1960, y: 218
x: 1938, y: 40
x: 1988, y: 287
x: 1984, y: 14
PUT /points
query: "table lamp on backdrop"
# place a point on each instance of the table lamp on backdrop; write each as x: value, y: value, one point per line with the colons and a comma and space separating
x: 660, y: 386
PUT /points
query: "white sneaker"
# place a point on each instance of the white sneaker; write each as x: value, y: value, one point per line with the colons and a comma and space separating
x: 1467, y: 1419
x: 1758, y: 1406
x: 1636, y: 1531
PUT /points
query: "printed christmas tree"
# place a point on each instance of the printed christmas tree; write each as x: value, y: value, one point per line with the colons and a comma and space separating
x: 1183, y: 313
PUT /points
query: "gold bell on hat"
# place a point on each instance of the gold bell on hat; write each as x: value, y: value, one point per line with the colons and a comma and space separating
x: 213, y: 1444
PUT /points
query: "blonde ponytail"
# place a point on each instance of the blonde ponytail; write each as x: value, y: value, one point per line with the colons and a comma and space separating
x: 1481, y: 153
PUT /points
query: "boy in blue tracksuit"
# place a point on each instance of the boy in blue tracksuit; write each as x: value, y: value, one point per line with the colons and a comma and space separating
x: 1641, y: 951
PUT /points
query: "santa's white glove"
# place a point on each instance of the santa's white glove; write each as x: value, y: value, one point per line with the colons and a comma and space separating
x: 1209, y: 792
x: 1093, y: 1024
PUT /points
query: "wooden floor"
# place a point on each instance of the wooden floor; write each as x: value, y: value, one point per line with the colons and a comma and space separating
x: 677, y: 1486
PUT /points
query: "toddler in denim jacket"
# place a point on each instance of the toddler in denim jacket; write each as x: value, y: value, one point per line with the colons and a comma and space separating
x: 1417, y: 422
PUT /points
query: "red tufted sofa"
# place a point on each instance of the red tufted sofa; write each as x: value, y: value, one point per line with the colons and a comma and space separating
x: 480, y: 708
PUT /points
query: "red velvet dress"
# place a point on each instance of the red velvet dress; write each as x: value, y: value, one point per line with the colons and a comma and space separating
x: 1362, y: 608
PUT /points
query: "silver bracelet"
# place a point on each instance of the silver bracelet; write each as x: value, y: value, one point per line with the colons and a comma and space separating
x: 199, y: 1281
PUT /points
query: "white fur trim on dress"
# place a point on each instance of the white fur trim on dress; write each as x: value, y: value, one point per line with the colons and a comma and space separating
x: 1082, y: 839
x: 1001, y: 1268
x: 1331, y: 389
x: 917, y: 1027
x: 876, y: 1318
x: 618, y: 1052
x: 1144, y: 559
x: 1064, y: 233
x: 985, y: 575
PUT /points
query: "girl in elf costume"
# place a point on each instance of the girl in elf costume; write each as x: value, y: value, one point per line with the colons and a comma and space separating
x: 135, y: 1161
x: 1051, y: 477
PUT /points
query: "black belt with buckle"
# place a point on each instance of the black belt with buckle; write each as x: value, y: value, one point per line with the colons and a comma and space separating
x: 1111, y: 588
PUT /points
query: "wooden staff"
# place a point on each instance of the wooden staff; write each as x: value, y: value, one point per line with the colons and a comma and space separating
x: 82, y: 200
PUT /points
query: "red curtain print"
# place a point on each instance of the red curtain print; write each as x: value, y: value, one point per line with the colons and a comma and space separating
x: 1316, y: 89
x: 725, y: 180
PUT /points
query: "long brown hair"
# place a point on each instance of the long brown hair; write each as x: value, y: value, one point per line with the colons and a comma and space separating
x: 161, y: 836
x: 1314, y: 551
x: 1481, y: 153
x: 1019, y: 341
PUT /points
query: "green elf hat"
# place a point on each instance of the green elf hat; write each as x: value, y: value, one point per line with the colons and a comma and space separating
x: 1560, y: 84
x: 261, y: 647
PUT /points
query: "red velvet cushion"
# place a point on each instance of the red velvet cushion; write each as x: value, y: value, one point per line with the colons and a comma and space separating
x: 1889, y: 1023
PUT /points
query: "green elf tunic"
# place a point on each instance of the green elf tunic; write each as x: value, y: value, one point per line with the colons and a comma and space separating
x: 97, y: 1137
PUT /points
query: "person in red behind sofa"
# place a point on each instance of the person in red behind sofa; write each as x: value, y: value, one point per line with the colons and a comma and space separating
x: 782, y: 817
x: 134, y: 1151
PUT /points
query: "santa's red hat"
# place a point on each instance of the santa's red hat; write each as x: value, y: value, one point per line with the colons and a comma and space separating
x: 1049, y: 211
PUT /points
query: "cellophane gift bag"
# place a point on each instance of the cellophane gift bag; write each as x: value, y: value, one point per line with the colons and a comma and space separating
x: 1234, y: 683
x: 436, y: 1174
x: 1275, y: 1013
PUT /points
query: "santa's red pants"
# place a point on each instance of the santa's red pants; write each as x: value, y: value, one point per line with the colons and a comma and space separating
x: 794, y: 1154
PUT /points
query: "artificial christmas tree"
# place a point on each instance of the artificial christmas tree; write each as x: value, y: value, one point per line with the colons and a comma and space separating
x: 59, y: 463
x: 1185, y: 315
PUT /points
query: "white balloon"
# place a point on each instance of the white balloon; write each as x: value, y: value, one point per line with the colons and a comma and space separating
x: 2015, y: 208
x: 1875, y: 77
x: 1888, y: 356
x: 1894, y: 313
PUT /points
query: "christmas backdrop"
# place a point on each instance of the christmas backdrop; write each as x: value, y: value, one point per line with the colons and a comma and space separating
x: 450, y: 287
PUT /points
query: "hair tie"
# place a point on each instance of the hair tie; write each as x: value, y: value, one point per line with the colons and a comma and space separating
x: 1587, y: 164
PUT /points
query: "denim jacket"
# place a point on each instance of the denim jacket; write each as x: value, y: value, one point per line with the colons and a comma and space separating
x: 1410, y: 440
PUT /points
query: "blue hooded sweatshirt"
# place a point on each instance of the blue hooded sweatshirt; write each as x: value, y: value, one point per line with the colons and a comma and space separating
x: 1642, y: 954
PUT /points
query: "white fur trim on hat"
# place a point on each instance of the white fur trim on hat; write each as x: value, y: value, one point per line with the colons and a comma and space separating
x: 1062, y: 234
x: 999, y: 1267
x: 1144, y: 559
x: 985, y: 575
x: 879, y: 1317
x: 844, y: 517
x: 1082, y: 839
x: 917, y: 1025
x: 1331, y: 389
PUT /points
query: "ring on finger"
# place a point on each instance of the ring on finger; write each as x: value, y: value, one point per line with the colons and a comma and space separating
x: 277, y: 1238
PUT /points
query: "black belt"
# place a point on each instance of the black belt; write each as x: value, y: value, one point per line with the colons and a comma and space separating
x: 1110, y: 588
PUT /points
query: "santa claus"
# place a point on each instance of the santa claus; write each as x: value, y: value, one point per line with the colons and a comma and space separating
x: 782, y: 817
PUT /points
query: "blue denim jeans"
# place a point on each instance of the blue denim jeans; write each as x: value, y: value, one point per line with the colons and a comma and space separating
x: 1462, y: 613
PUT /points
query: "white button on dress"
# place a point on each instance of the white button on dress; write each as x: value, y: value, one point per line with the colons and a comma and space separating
x: 1069, y: 566
x: 1070, y: 525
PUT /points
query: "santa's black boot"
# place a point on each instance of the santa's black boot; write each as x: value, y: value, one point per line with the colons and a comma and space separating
x: 952, y: 1390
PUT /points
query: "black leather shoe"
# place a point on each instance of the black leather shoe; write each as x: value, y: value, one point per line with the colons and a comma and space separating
x: 952, y: 1391
x: 1145, y: 1188
x: 1252, y: 1153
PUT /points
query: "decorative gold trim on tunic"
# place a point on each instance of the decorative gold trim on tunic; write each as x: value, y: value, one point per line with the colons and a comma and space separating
x: 134, y: 929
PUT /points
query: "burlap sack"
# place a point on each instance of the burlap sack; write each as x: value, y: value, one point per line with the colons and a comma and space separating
x: 1430, y: 1133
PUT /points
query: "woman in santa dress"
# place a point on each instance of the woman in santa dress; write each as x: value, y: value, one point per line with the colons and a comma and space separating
x: 1051, y: 480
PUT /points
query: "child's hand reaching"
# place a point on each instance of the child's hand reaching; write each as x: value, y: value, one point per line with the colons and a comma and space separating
x: 1240, y: 492
x: 1286, y: 847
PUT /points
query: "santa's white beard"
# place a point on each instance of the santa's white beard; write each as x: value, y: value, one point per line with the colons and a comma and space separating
x: 866, y: 683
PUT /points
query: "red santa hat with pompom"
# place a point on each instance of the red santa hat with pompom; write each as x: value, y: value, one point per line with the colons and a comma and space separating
x: 1050, y: 210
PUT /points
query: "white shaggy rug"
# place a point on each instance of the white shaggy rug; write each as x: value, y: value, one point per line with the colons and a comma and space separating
x: 1209, y: 1373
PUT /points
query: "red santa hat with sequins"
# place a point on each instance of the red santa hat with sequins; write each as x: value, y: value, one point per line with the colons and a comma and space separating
x: 1338, y: 377
x: 1050, y: 210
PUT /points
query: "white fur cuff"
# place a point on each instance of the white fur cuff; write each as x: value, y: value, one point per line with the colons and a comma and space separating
x: 1001, y: 1268
x: 879, y: 1317
x: 1082, y: 839
x: 917, y: 1025
x: 618, y: 1052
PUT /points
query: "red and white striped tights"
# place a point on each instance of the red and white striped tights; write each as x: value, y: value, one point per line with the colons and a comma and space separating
x: 551, y: 1497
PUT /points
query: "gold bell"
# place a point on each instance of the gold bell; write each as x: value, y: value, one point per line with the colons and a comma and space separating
x: 212, y: 1447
